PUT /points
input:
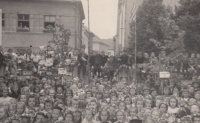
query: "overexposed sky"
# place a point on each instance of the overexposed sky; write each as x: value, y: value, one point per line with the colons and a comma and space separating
x: 103, y: 17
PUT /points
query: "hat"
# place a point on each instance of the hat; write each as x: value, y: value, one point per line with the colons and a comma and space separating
x: 146, y: 88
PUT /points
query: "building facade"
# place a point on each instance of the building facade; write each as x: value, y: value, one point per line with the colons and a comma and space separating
x: 25, y: 22
x: 87, y: 38
x: 98, y: 45
x: 124, y: 20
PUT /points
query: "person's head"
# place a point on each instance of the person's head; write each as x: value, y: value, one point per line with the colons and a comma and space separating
x: 146, y: 55
x: 40, y: 118
x: 11, y: 110
x: 20, y: 107
x: 173, y: 102
x: 5, y: 92
x: 25, y: 90
x: 185, y: 93
x: 23, y: 98
x: 32, y: 101
x: 3, y: 113
x: 197, y: 95
x: 113, y: 94
x: 127, y: 100
x: 146, y: 91
x: 89, y: 115
x: 120, y: 116
x: 139, y: 103
x: 69, y: 93
x: 99, y: 95
x: 93, y: 104
x: 132, y: 92
x: 194, y: 109
x: 75, y: 103
x: 52, y: 93
x: 155, y: 114
x: 59, y: 89
x: 191, y: 90
x: 56, y: 113
x: 158, y: 101
x: 112, y: 111
x: 69, y: 117
x: 166, y: 90
x: 152, y: 54
x: 163, y: 107
x: 41, y: 99
x: 195, y: 85
x: 113, y: 100
x: 132, y: 111
x: 5, y: 105
x: 192, y: 55
x: 196, y: 119
x: 103, y: 116
x: 15, y: 88
x: 48, y: 104
x: 122, y: 106
x: 192, y: 101
x: 13, y: 102
x: 148, y: 103
x: 77, y: 116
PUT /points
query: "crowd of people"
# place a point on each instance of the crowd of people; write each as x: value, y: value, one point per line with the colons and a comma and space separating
x: 119, y: 91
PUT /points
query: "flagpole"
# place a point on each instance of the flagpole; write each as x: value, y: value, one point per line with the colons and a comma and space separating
x: 135, y: 50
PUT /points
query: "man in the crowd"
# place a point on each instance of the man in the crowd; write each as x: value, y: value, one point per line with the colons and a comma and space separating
x: 82, y: 62
x: 2, y: 60
x: 97, y: 65
x: 92, y: 63
x: 104, y: 58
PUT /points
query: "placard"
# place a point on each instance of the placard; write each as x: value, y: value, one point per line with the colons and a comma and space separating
x: 164, y: 75
x: 62, y: 71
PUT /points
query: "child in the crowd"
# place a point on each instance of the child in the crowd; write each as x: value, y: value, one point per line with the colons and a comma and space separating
x: 173, y: 105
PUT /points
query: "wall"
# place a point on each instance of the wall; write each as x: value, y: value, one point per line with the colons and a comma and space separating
x: 96, y: 46
x: 67, y: 13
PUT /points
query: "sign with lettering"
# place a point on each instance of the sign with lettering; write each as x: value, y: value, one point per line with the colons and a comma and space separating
x: 164, y: 75
x: 62, y: 71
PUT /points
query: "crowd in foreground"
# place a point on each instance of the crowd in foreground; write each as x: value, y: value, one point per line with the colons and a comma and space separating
x: 47, y: 99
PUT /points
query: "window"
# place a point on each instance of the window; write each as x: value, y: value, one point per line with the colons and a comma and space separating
x: 3, y: 20
x: 49, y: 23
x: 23, y: 23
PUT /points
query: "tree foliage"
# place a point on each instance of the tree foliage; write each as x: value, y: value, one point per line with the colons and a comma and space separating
x: 61, y: 38
x: 187, y: 16
x: 155, y: 29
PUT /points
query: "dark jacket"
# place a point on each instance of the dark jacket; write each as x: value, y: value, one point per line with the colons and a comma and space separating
x: 2, y: 59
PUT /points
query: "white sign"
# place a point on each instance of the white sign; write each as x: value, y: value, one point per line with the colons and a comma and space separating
x: 164, y: 75
x: 62, y: 71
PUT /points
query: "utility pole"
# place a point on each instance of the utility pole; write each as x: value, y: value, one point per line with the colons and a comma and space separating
x: 89, y: 42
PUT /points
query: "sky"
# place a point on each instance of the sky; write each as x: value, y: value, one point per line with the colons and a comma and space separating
x: 103, y: 17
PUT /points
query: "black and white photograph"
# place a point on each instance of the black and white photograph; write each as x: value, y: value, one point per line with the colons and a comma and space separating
x: 100, y: 61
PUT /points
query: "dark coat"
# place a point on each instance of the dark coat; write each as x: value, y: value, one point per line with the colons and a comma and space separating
x: 2, y: 59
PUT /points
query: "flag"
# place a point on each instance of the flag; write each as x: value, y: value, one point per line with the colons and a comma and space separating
x: 133, y: 12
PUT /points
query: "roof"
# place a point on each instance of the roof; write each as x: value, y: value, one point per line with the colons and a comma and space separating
x: 109, y: 42
x: 99, y: 42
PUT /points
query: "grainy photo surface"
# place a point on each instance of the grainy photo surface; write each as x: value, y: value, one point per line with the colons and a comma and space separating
x: 100, y: 61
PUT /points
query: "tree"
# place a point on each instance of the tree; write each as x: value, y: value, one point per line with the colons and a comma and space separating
x: 61, y: 38
x: 157, y: 30
x: 147, y: 19
x: 188, y: 19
